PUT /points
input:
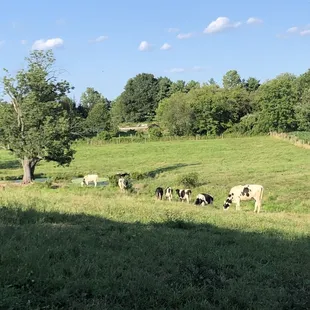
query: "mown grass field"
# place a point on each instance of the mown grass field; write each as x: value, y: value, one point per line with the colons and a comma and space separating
x: 94, y: 248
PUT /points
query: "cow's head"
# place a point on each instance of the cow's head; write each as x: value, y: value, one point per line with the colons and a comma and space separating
x: 199, y: 201
x: 228, y: 202
x: 177, y: 191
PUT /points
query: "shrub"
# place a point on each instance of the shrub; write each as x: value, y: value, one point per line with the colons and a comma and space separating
x: 104, y: 135
x: 155, y: 131
x: 189, y: 180
x: 139, y: 175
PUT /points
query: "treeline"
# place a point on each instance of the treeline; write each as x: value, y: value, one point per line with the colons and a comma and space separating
x: 179, y: 108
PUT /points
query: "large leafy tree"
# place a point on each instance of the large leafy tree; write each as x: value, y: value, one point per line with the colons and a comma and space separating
x: 99, y: 118
x: 277, y: 100
x: 231, y: 79
x: 176, y: 114
x: 140, y: 98
x: 164, y: 88
x: 36, y: 125
x: 90, y: 97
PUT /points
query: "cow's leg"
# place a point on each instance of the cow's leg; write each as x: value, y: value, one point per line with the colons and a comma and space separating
x: 238, y: 204
x: 256, y: 206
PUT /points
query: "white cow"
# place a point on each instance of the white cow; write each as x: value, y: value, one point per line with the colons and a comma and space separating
x: 90, y: 178
x: 245, y: 192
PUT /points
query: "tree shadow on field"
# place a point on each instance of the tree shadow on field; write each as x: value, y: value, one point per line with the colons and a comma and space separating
x: 155, y: 172
x: 61, y: 261
x: 10, y: 164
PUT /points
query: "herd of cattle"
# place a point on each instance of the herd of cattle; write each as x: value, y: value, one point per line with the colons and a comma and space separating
x: 236, y: 194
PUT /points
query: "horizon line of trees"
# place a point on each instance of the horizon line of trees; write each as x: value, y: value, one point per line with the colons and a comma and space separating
x: 41, y: 121
x: 178, y: 108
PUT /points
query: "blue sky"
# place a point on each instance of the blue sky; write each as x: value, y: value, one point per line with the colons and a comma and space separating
x: 97, y: 42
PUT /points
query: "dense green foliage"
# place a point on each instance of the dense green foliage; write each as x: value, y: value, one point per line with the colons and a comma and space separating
x: 37, y: 123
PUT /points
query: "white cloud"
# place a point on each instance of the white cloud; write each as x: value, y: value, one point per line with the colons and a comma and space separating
x: 166, y: 47
x: 180, y: 70
x: 197, y: 68
x: 292, y: 30
x: 220, y: 24
x: 305, y: 32
x: 176, y: 70
x: 173, y: 30
x: 144, y: 46
x: 302, y: 31
x: 254, y: 20
x: 185, y: 35
x: 99, y: 39
x: 23, y: 42
x: 48, y: 44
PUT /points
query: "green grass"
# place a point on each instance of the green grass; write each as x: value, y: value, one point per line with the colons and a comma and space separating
x: 302, y: 135
x: 94, y: 248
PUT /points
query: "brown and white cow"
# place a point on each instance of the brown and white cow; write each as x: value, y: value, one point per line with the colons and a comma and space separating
x: 243, y: 193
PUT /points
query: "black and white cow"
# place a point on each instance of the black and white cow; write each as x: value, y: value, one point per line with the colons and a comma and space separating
x: 184, y: 194
x: 243, y: 193
x: 168, y: 193
x: 204, y: 199
x: 159, y: 192
x: 123, y: 184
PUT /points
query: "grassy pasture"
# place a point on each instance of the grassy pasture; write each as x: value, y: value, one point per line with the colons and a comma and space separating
x: 93, y: 248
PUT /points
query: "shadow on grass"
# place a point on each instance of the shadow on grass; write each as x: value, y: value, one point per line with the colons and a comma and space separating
x: 62, y: 261
x: 155, y: 172
x: 10, y: 164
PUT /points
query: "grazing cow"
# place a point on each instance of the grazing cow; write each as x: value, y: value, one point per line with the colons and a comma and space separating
x: 159, y: 192
x: 90, y: 178
x: 168, y: 193
x: 245, y: 192
x: 184, y: 194
x: 204, y: 199
x: 122, y: 183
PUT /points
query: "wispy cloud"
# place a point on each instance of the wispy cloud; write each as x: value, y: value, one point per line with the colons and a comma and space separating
x: 47, y: 44
x: 198, y: 68
x: 182, y: 36
x: 1, y: 43
x: 220, y: 24
x: 305, y: 32
x: 166, y: 47
x: 176, y: 70
x: 23, y: 42
x: 99, y: 39
x: 182, y: 69
x: 254, y: 20
x: 145, y: 46
x: 292, y: 29
x: 173, y: 29
x: 295, y: 30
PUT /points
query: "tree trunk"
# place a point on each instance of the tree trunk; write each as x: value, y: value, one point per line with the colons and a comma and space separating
x: 29, y: 167
x: 27, y: 171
